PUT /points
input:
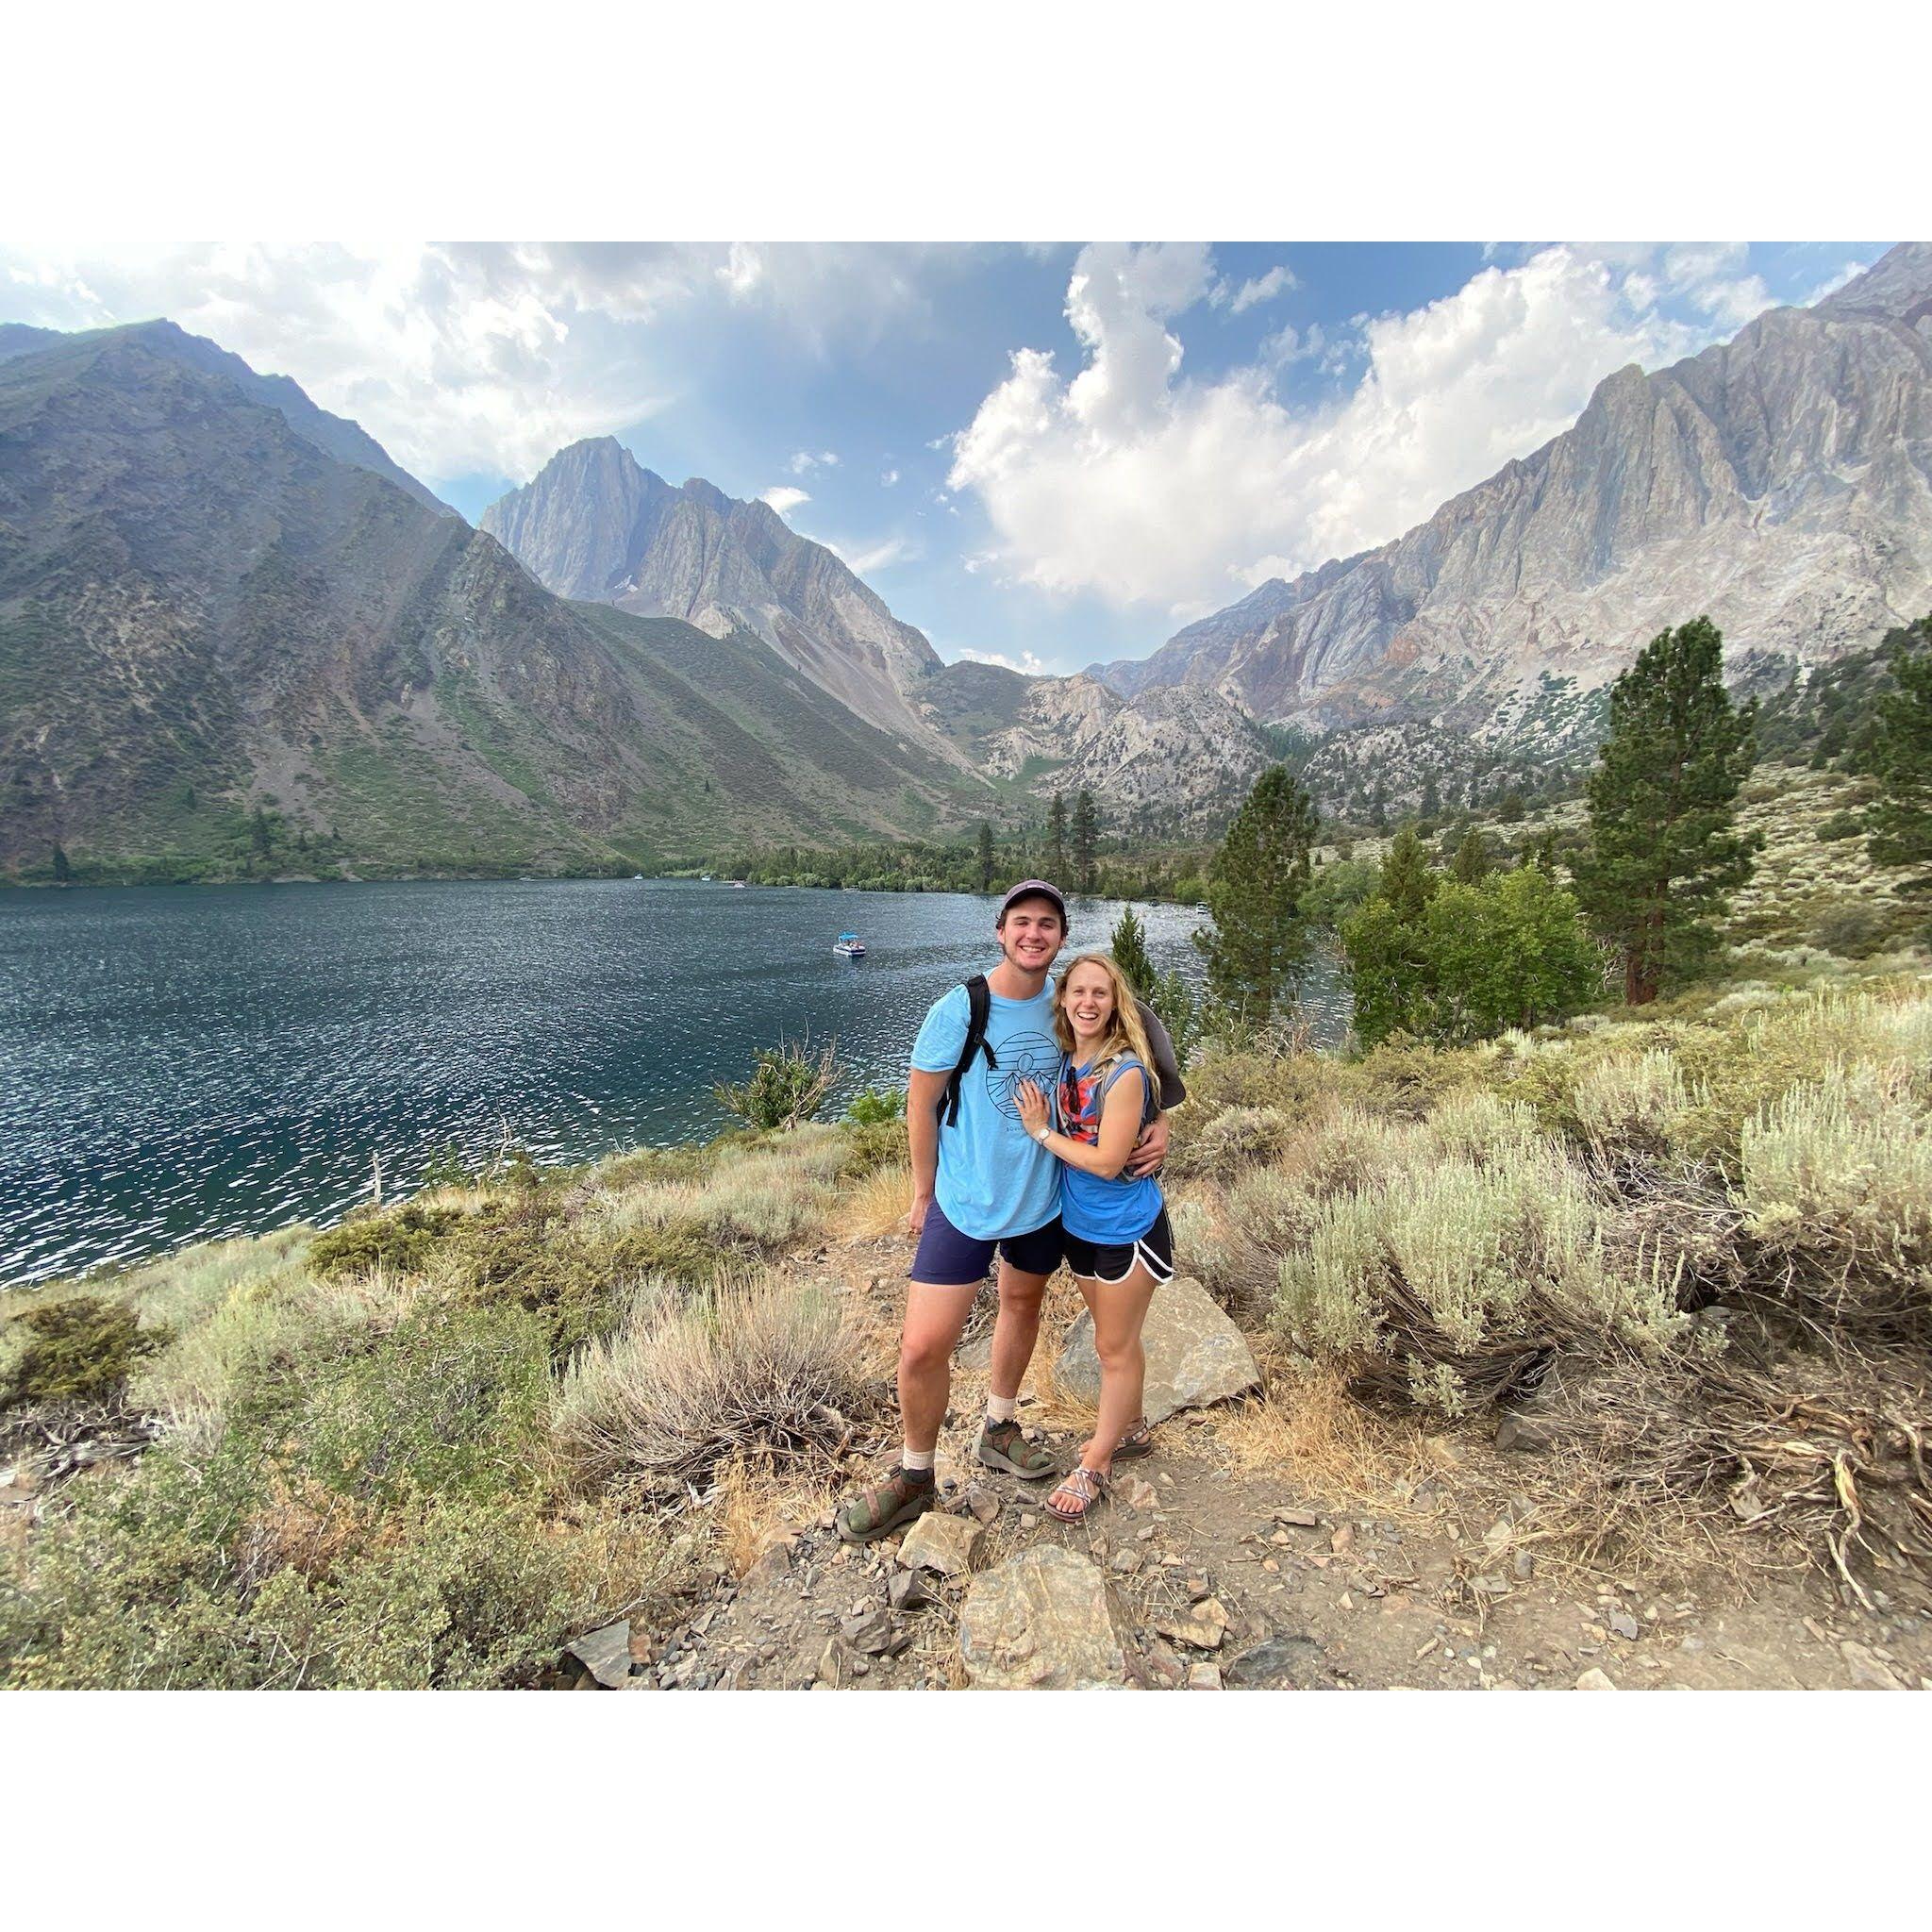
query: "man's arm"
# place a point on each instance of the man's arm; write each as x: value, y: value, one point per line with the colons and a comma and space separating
x: 1150, y: 1150
x: 924, y: 1092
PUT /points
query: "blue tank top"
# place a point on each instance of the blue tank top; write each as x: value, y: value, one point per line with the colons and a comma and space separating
x: 1111, y: 1212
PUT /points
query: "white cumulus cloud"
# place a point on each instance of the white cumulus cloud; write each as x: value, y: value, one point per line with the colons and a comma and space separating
x: 1026, y: 663
x: 783, y: 498
x: 1132, y: 481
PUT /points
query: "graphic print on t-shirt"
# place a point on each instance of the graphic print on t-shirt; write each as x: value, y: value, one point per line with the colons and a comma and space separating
x: 1023, y: 1056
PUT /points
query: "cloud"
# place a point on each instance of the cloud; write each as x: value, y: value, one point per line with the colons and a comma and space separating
x: 1262, y: 288
x: 889, y: 477
x: 1028, y: 664
x: 1133, y: 482
x: 872, y: 557
x: 479, y: 358
x: 784, y: 499
x: 804, y: 460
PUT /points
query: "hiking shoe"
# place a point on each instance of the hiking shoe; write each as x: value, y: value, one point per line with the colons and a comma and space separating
x: 874, y: 1513
x: 1002, y: 1446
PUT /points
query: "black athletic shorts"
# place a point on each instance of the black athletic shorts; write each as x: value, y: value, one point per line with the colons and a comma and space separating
x: 947, y: 1258
x: 1154, y: 1251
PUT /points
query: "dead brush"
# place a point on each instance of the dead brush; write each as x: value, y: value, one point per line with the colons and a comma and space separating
x: 758, y: 1367
x: 1816, y: 1455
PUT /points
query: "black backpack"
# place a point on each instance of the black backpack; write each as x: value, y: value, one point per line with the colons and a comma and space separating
x: 978, y: 1011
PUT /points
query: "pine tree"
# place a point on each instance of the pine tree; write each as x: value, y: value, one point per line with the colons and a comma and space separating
x: 1407, y: 882
x: 985, y: 855
x: 1899, y: 823
x: 1260, y: 941
x: 1512, y: 807
x: 1472, y: 861
x: 1086, y: 839
x: 1056, y: 839
x: 1432, y: 800
x: 1664, y: 850
x: 62, y: 870
x: 1128, y: 945
x: 261, y: 835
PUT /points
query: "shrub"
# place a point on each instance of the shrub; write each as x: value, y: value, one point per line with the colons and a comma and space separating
x: 1630, y: 1103
x: 1227, y: 1141
x: 750, y: 1368
x: 787, y: 1085
x: 1838, y: 1178
x: 401, y: 1241
x: 877, y: 1106
x: 81, y: 1348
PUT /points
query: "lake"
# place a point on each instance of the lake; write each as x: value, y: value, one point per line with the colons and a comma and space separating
x: 180, y: 1063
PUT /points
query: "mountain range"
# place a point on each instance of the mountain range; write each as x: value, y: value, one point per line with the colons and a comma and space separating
x: 230, y: 624
x: 1780, y: 483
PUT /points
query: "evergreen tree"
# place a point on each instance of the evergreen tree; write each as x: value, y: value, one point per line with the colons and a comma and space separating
x: 1056, y: 840
x: 62, y: 871
x: 1086, y: 839
x: 1432, y: 800
x: 1407, y: 881
x: 1900, y: 821
x: 261, y: 833
x: 1378, y: 808
x: 1512, y: 807
x: 1664, y: 851
x: 1472, y: 861
x: 1259, y: 944
x: 985, y: 857
x: 1128, y: 945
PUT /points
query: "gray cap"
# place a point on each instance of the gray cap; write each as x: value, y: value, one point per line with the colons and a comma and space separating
x: 1033, y: 889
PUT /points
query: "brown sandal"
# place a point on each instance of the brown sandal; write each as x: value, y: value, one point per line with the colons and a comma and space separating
x: 1139, y: 1440
x: 1086, y: 1485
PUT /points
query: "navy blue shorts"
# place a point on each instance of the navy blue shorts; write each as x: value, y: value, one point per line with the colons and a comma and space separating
x: 947, y: 1258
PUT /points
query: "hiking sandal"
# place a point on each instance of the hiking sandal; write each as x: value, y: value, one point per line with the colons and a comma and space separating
x: 1084, y: 1486
x: 1002, y: 1446
x: 876, y: 1512
x: 1139, y: 1440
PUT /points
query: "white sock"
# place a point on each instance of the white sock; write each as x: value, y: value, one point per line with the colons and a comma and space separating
x: 1002, y: 1409
x: 916, y: 1458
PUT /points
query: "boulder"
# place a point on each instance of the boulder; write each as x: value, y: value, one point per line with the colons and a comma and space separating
x: 1195, y: 1355
x: 1040, y: 1621
x: 942, y: 1542
x: 606, y: 1653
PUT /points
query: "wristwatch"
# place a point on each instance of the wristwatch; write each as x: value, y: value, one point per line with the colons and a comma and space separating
x: 1043, y: 1134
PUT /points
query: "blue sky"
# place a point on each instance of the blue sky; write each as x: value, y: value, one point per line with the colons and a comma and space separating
x: 1043, y: 454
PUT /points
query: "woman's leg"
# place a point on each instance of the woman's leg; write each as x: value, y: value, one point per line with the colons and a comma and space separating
x: 1120, y: 1311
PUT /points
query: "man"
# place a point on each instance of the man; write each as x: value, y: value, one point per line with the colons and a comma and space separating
x: 980, y: 1184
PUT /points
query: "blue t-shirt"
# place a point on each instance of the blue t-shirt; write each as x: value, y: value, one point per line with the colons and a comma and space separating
x: 1109, y: 1211
x: 994, y: 1179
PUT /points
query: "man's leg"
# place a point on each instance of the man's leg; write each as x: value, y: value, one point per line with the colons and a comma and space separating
x: 1017, y: 1328
x: 935, y: 1319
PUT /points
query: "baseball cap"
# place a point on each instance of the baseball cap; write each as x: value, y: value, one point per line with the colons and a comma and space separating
x: 1032, y: 888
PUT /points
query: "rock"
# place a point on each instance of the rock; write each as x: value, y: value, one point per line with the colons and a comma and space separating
x: 640, y: 1648
x: 1203, y: 1628
x: 1523, y: 1566
x: 1165, y: 1667
x: 1198, y: 1587
x: 606, y: 1653
x: 772, y: 1567
x: 1040, y: 1621
x: 1126, y: 1562
x: 1029, y: 1520
x: 874, y: 1633
x: 1866, y: 1669
x: 1626, y: 1626
x: 834, y: 1663
x: 1298, y: 1519
x: 942, y: 1542
x: 1195, y: 1355
x: 907, y: 1590
x: 984, y: 1504
x: 1137, y: 1494
x: 1516, y: 1430
x: 1281, y: 1662
x: 1204, y: 1677
x: 1594, y: 1680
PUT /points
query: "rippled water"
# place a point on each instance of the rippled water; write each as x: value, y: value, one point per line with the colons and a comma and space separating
x: 187, y: 1062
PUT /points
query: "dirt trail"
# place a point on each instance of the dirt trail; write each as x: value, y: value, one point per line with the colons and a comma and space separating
x: 1316, y: 1594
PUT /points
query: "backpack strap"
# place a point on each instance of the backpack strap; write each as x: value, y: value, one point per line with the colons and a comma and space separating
x: 978, y: 1012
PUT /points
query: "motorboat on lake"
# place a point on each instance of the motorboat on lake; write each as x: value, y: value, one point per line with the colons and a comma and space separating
x: 848, y: 945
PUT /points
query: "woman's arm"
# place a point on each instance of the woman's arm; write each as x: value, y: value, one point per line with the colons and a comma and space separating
x: 1120, y: 1123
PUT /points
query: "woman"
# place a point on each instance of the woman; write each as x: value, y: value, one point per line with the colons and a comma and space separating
x: 1119, y: 1246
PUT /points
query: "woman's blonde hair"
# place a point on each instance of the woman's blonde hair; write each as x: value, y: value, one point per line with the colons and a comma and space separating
x: 1124, y: 1034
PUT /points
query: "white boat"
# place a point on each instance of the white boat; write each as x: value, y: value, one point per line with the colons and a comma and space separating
x: 848, y: 945
x: 738, y: 885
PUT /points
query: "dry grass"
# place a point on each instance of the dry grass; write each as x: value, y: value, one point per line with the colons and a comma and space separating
x: 758, y: 1366
x: 875, y: 1206
x: 761, y: 1501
